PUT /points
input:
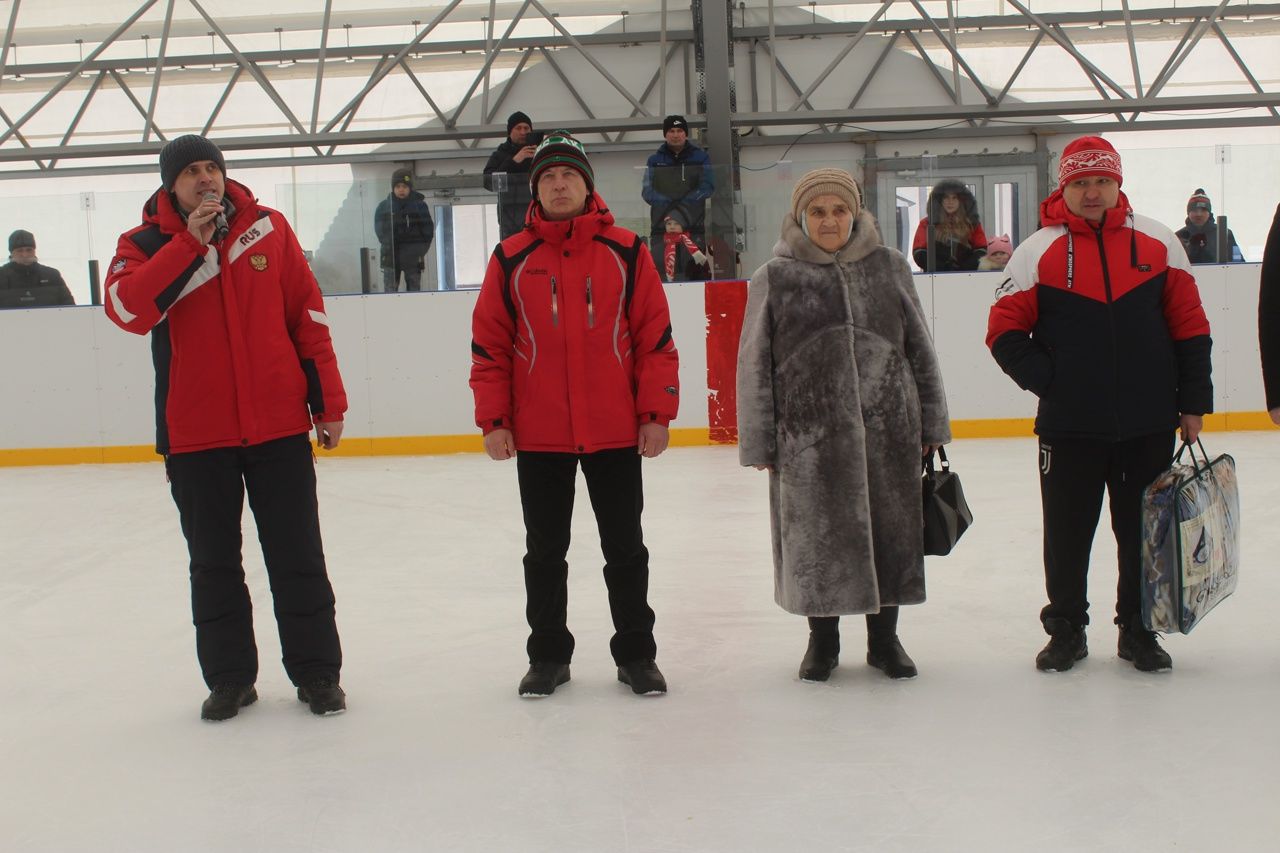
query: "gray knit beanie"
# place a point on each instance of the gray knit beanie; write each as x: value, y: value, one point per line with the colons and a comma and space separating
x: 180, y: 153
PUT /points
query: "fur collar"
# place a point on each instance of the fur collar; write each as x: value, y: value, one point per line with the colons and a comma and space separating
x: 793, y: 243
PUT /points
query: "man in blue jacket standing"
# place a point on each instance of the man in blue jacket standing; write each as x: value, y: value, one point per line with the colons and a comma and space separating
x: 405, y: 229
x: 677, y: 179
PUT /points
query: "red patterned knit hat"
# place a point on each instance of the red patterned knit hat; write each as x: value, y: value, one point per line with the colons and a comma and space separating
x: 1086, y: 157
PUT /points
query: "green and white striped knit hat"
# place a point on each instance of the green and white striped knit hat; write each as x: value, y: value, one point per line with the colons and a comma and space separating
x: 560, y: 149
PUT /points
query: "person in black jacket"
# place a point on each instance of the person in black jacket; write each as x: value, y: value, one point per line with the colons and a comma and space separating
x: 1200, y: 235
x: 405, y: 229
x: 507, y: 173
x: 26, y: 283
x: 1269, y: 319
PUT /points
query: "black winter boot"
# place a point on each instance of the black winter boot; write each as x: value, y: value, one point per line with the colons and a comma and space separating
x: 884, y: 649
x: 1141, y: 647
x: 644, y: 677
x: 823, y: 653
x: 323, y: 695
x: 891, y: 658
x: 226, y: 700
x: 543, y: 678
x: 1066, y: 646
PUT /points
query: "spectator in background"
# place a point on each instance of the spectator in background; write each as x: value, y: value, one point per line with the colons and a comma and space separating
x: 405, y: 229
x: 1200, y: 236
x: 958, y: 239
x: 27, y: 283
x: 511, y: 163
x: 998, y: 252
x: 677, y: 179
x: 1269, y: 319
x: 682, y: 260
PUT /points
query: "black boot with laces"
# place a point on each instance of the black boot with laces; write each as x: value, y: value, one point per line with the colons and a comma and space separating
x: 226, y: 700
x: 1066, y: 646
x: 1142, y: 649
x: 323, y: 695
x: 543, y: 678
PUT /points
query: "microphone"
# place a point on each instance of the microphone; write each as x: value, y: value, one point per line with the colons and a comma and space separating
x: 220, y: 227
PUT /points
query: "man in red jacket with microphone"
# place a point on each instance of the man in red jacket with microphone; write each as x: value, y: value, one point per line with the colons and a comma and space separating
x: 573, y: 364
x: 244, y: 368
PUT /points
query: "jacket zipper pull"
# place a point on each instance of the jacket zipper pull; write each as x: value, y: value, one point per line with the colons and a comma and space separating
x: 591, y: 309
x: 555, y: 309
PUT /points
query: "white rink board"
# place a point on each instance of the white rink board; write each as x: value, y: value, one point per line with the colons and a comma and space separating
x: 72, y: 379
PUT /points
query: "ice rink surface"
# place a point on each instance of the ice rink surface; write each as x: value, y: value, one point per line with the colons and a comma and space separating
x: 102, y: 748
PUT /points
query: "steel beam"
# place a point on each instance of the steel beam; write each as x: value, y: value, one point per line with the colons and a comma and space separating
x: 84, y: 106
x: 426, y: 96
x: 1244, y: 69
x: 955, y: 54
x: 839, y: 57
x: 226, y: 93
x: 142, y: 111
x: 1200, y: 28
x: 599, y: 66
x: 490, y: 56
x: 251, y: 69
x: 71, y: 75
x: 1066, y: 45
x: 324, y: 44
x: 401, y: 54
x: 159, y: 72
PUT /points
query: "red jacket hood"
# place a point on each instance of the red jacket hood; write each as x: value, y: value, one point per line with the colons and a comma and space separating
x: 1053, y: 211
x: 595, y: 219
x: 161, y: 210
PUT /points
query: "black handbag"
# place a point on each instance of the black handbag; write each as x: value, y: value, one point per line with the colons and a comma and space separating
x: 946, y: 513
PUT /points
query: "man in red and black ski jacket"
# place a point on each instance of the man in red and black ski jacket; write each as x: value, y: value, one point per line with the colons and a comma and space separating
x: 573, y: 364
x: 244, y: 367
x: 1101, y: 319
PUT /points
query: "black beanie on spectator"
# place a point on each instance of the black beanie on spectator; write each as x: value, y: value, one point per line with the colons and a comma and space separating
x: 180, y: 153
x: 515, y: 118
x: 21, y: 240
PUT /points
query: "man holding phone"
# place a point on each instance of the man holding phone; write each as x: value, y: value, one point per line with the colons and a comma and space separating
x: 507, y: 173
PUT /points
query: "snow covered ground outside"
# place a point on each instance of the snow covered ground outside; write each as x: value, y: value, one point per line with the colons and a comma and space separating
x: 102, y: 747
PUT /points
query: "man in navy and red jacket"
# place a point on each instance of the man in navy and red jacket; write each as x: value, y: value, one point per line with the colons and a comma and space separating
x: 1101, y: 319
x: 244, y: 367
x: 573, y: 364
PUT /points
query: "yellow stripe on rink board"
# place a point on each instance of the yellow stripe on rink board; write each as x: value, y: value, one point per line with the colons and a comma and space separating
x: 431, y: 445
x: 993, y: 428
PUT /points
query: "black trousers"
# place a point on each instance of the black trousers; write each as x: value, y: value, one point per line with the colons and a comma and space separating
x: 1073, y: 476
x: 547, y: 483
x: 209, y: 488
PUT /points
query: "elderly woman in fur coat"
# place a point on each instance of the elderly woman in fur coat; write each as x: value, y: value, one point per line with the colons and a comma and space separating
x: 839, y: 395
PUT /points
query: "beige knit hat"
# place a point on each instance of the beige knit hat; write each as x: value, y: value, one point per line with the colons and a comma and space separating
x: 836, y: 182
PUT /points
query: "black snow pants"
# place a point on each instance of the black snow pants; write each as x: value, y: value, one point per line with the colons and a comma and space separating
x: 547, y: 483
x: 209, y: 488
x: 1074, y: 472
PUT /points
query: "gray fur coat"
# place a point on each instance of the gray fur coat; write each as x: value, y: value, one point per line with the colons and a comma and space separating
x: 838, y: 388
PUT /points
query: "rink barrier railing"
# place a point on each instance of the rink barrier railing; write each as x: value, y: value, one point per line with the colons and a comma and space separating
x: 81, y: 391
x: 431, y: 445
